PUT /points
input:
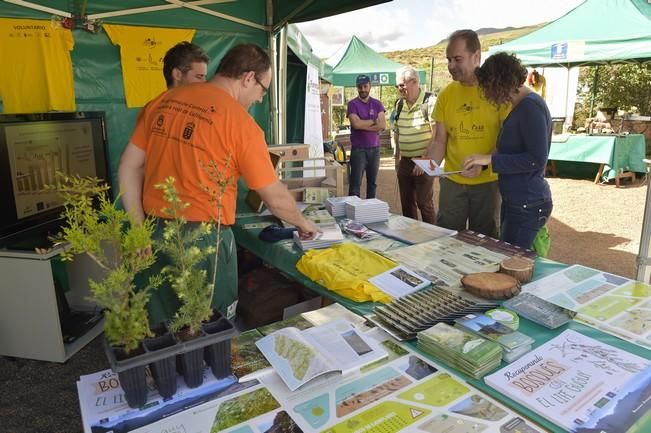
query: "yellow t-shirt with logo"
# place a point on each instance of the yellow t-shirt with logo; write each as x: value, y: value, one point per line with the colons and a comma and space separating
x: 472, y: 124
x: 37, y: 72
x: 142, y: 50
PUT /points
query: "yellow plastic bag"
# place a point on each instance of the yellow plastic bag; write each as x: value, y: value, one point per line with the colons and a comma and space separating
x: 345, y: 269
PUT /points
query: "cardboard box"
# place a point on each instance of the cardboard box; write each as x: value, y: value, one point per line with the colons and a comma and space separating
x: 291, y: 152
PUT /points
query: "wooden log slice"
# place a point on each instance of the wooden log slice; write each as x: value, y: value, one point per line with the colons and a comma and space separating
x: 491, y: 285
x: 521, y: 268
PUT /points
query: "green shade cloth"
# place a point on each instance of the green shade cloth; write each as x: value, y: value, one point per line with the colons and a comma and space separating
x: 618, y: 153
x: 595, y: 32
x: 284, y: 255
x: 358, y: 58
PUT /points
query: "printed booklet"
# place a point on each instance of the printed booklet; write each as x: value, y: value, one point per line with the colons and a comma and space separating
x: 431, y: 168
x: 399, y: 281
x: 580, y: 384
x: 333, y: 348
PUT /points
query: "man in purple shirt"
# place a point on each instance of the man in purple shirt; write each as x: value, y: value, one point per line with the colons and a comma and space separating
x: 367, y: 120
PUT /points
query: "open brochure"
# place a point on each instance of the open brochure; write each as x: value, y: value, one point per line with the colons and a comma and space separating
x: 333, y: 348
x: 431, y: 168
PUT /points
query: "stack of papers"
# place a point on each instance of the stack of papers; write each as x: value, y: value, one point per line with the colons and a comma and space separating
x: 462, y: 350
x: 329, y: 235
x: 337, y: 205
x: 321, y: 218
x: 514, y: 343
x: 367, y: 211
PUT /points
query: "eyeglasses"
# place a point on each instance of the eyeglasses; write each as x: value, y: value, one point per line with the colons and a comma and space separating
x: 264, y: 89
x: 401, y: 85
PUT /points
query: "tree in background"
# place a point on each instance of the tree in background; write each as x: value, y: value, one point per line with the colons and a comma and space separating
x: 627, y: 87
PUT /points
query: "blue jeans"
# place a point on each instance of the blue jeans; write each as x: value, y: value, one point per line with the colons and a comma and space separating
x: 363, y: 159
x: 521, y: 222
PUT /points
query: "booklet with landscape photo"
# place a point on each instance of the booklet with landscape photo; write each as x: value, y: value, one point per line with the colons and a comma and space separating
x: 580, y: 384
x: 333, y: 348
x: 399, y: 281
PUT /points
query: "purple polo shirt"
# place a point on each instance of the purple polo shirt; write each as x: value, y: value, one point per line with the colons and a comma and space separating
x: 365, y: 111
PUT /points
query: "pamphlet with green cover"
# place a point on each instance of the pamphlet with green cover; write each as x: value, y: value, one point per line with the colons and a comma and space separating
x: 606, y: 301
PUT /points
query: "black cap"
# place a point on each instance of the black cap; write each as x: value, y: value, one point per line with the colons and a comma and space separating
x: 362, y: 79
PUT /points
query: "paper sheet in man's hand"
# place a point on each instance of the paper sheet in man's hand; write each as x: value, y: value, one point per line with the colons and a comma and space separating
x: 431, y: 168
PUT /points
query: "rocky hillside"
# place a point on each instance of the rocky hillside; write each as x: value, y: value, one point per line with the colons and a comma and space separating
x: 425, y: 58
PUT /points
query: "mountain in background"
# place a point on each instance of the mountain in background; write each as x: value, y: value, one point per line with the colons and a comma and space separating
x: 421, y: 58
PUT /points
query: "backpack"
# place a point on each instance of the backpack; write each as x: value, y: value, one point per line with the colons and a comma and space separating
x: 424, y: 107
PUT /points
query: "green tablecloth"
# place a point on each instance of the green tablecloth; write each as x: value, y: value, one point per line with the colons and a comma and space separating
x: 618, y: 153
x: 284, y: 255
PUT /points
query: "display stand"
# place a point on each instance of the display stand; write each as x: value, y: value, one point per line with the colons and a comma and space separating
x: 31, y: 322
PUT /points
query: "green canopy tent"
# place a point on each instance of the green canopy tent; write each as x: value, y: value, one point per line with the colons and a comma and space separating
x: 220, y: 24
x: 357, y: 58
x: 595, y: 32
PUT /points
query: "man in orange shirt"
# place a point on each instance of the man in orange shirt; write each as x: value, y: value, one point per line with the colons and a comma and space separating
x: 190, y: 126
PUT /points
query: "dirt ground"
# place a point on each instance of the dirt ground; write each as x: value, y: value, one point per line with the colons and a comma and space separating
x: 593, y: 225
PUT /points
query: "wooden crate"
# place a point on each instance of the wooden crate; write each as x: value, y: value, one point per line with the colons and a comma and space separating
x: 291, y: 152
x: 297, y: 176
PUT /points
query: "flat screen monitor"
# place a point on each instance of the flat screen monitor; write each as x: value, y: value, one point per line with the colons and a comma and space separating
x: 33, y: 148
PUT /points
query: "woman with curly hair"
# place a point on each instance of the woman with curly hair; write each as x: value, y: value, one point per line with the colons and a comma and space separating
x: 522, y: 149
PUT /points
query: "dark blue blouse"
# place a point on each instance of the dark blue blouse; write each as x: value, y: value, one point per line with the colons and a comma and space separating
x: 522, y: 151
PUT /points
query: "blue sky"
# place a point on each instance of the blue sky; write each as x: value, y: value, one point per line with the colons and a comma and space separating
x: 403, y: 24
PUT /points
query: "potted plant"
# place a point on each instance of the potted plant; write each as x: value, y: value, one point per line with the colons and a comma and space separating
x: 184, y: 245
x: 97, y: 227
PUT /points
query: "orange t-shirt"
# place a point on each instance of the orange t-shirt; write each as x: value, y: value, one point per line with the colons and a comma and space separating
x: 184, y: 129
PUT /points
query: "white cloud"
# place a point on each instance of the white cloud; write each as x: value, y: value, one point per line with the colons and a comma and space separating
x: 377, y: 27
x: 403, y: 24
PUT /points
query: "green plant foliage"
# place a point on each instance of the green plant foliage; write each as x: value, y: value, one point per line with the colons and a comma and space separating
x: 183, y: 247
x: 119, y: 246
x: 627, y: 87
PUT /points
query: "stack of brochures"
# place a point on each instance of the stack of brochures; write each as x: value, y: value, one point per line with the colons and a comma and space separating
x: 329, y: 235
x: 462, y: 350
x: 337, y: 205
x: 321, y: 218
x: 514, y: 343
x: 367, y: 211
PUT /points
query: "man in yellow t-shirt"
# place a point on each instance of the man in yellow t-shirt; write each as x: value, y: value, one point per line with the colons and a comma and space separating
x: 193, y: 125
x: 466, y: 123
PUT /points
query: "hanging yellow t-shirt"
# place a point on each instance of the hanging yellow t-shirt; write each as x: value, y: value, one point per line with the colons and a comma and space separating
x: 141, y: 52
x: 37, y: 70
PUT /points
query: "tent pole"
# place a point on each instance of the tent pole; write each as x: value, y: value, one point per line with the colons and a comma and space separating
x: 146, y: 9
x: 282, y: 85
x: 567, y: 98
x: 595, y: 81
x: 41, y: 8
x: 643, y: 270
x: 431, y: 75
x: 273, y: 97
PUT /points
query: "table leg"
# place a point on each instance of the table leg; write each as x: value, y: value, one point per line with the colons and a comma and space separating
x: 599, y: 173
